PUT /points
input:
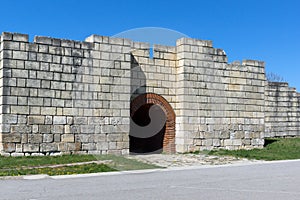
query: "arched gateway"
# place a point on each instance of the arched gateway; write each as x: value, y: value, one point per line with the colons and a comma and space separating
x: 145, y: 110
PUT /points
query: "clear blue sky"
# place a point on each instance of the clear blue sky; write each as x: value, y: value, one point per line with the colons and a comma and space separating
x: 267, y: 30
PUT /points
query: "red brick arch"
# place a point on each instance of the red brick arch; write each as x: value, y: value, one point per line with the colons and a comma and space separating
x: 151, y: 98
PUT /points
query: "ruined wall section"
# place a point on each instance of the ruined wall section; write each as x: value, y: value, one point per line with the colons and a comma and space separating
x: 1, y: 91
x: 220, y: 104
x: 64, y: 96
x: 282, y: 116
x: 246, y: 101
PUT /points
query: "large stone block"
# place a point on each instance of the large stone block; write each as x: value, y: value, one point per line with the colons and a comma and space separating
x: 20, y: 55
x: 48, y: 138
x: 257, y: 142
x: 20, y: 37
x: 45, y: 75
x: 84, y: 138
x: 58, y: 102
x: 57, y: 129
x: 45, y: 129
x: 69, y: 147
x: 122, y: 145
x: 36, y: 120
x: 237, y: 142
x: 88, y: 129
x: 59, y: 120
x: 9, y: 147
x: 31, y: 148
x: 21, y: 128
x: 57, y: 137
x: 33, y: 83
x: 89, y: 146
x: 49, y: 147
x: 48, y: 111
x: 102, y: 146
x: 115, y: 137
x: 35, y: 138
x: 48, y: 119
x: 11, y: 45
x: 112, y: 145
x: 19, y: 110
x: 11, y: 138
x: 44, y: 57
x: 68, y: 138
x: 33, y: 101
x: 20, y: 73
x: 9, y: 119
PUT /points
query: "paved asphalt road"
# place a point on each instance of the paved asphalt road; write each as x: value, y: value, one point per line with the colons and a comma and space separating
x: 279, y: 180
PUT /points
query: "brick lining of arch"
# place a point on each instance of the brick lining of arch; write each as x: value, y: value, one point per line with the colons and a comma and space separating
x: 151, y: 98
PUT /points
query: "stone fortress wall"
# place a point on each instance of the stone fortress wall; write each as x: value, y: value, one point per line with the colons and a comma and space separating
x: 64, y: 96
x: 282, y: 113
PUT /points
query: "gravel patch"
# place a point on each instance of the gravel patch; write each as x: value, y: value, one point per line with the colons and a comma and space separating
x: 185, y: 160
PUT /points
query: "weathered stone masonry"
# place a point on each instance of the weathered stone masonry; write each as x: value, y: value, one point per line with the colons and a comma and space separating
x: 64, y: 96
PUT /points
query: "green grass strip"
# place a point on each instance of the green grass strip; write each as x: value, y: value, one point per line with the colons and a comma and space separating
x: 280, y: 149
x: 89, y: 168
x: 15, y: 166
